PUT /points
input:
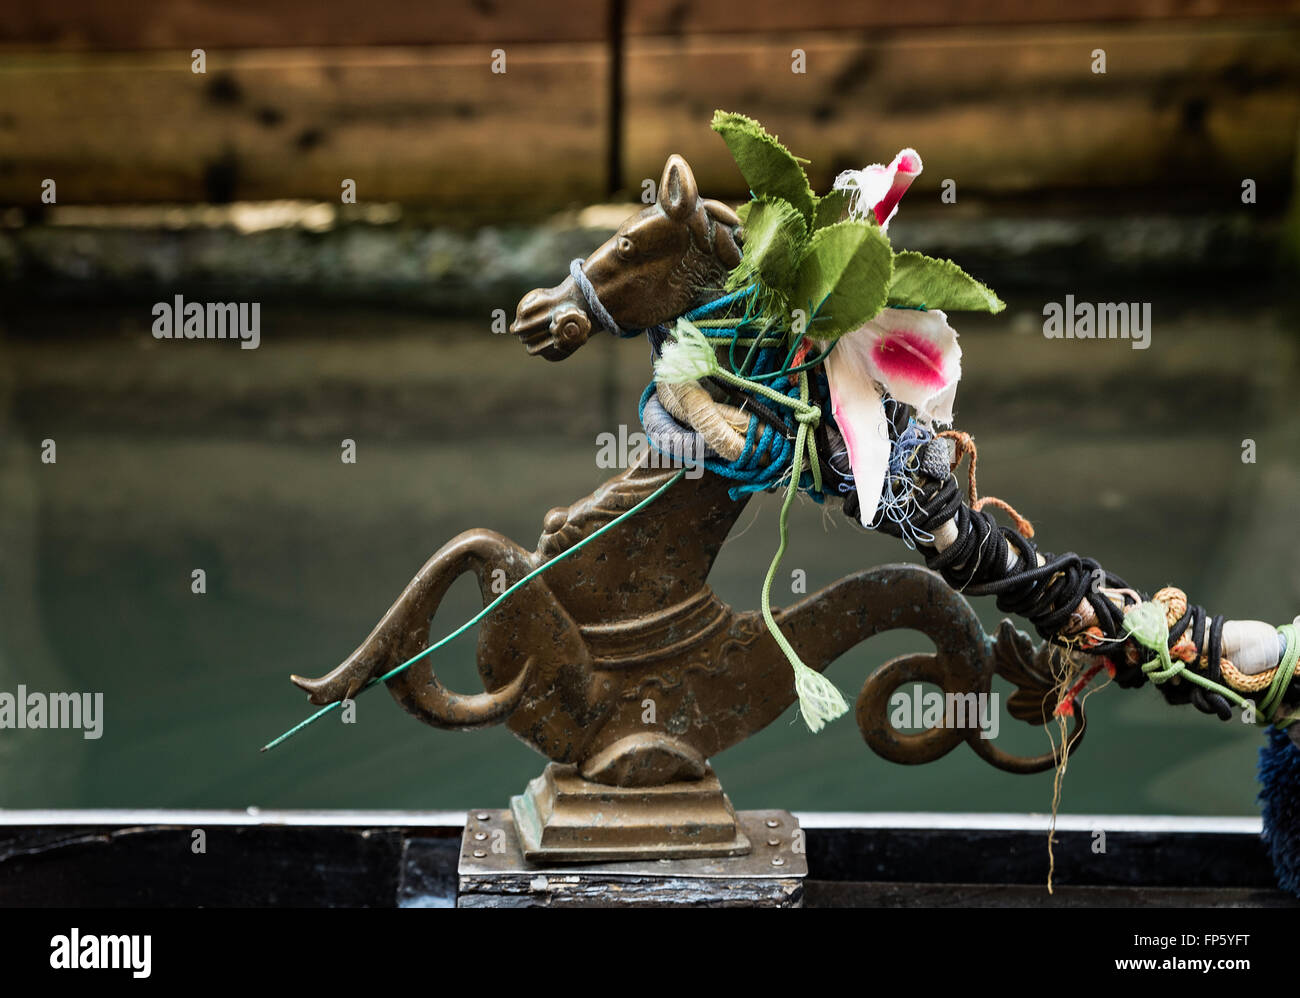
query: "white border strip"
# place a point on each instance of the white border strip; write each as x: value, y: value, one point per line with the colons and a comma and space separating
x: 251, y: 817
x: 808, y: 819
x: 1032, y: 822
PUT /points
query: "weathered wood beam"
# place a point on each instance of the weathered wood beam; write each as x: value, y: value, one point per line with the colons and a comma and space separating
x: 1001, y: 111
x: 90, y: 25
x: 419, y: 125
x: 648, y: 17
x: 1006, y: 111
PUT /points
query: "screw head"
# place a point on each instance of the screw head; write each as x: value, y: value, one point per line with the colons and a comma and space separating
x: 480, y: 853
x: 772, y: 823
x: 483, y: 816
x: 778, y: 861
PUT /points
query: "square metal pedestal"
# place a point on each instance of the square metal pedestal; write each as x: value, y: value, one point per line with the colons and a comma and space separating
x: 494, y: 874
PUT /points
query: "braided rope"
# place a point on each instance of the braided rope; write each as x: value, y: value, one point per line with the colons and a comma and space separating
x: 1057, y: 592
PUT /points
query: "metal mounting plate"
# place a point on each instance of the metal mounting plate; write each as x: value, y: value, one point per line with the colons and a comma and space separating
x: 493, y: 872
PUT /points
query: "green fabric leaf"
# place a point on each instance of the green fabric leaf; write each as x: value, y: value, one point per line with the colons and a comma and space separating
x: 923, y: 280
x: 831, y: 208
x: 767, y: 166
x: 846, y: 271
x: 775, y: 234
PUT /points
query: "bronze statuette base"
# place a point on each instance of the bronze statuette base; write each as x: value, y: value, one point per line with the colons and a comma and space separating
x: 562, y: 818
x: 493, y: 872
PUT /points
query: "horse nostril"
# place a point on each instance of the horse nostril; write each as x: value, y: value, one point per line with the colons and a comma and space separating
x: 570, y: 330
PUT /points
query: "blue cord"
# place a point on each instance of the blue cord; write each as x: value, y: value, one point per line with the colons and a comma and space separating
x: 762, y: 440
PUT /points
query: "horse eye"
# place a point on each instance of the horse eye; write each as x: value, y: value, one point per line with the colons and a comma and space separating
x: 625, y: 247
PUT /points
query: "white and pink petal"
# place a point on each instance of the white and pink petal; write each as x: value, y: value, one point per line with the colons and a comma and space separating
x: 858, y: 407
x: 911, y: 355
x: 915, y: 355
x: 880, y: 188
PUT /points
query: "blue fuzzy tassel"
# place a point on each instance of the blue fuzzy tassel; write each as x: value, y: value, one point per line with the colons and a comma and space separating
x: 1279, y: 773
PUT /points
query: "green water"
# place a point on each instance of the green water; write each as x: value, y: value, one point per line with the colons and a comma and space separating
x: 176, y: 456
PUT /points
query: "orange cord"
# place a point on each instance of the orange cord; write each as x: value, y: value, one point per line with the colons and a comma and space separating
x: 964, y: 445
x: 801, y: 353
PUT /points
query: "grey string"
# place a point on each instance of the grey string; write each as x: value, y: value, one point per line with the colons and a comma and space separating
x: 598, y: 310
x: 669, y: 437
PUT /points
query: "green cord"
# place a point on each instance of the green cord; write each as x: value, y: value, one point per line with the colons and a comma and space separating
x: 815, y: 465
x: 1151, y: 629
x: 819, y: 700
x: 1285, y: 670
x: 805, y: 413
x: 801, y: 408
x: 807, y: 365
x: 751, y: 358
x: 768, y: 341
x: 794, y: 349
x: 692, y: 358
x: 487, y: 609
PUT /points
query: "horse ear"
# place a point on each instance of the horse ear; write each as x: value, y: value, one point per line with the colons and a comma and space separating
x: 678, y: 194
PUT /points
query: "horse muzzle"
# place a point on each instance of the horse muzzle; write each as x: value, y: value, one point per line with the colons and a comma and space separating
x: 552, y: 322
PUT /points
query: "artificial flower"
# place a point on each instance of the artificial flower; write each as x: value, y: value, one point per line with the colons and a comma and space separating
x: 878, y: 187
x: 910, y: 354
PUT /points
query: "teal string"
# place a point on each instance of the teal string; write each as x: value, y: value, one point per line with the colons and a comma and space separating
x: 486, y: 610
x: 807, y: 365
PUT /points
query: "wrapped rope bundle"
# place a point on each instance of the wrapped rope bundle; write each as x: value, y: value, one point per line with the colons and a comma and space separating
x: 891, y: 366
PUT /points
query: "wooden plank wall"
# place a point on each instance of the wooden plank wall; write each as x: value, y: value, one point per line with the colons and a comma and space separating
x: 298, y: 97
x: 402, y: 99
x: 999, y: 110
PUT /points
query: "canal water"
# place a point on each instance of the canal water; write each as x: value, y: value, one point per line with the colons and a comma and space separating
x: 174, y: 457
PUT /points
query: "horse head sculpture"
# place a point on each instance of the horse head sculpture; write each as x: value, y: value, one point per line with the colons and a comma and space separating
x: 568, y: 662
x: 652, y: 269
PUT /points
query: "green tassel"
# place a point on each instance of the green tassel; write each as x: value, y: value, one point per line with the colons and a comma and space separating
x: 689, y: 357
x: 1149, y: 627
x: 819, y: 700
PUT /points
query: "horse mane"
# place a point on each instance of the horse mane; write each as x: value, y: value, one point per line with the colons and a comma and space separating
x: 613, y: 498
